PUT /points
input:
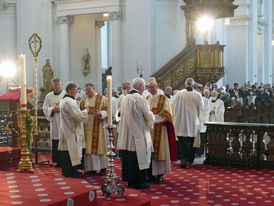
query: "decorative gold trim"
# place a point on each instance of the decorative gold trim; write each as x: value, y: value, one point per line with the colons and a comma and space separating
x: 25, y: 163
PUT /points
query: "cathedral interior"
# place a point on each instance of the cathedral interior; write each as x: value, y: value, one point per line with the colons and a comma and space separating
x: 226, y: 46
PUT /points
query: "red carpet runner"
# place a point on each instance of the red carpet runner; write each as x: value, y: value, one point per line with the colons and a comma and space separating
x: 200, y: 185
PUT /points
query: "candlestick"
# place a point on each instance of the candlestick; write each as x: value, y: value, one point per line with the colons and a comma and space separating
x: 25, y: 162
x: 109, y: 88
x: 111, y: 185
x: 23, y: 82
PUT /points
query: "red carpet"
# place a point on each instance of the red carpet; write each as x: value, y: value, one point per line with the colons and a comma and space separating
x: 133, y: 197
x: 9, y: 156
x: 32, y: 189
x: 200, y: 185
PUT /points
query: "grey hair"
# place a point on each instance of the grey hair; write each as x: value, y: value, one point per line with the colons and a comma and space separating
x: 55, y: 80
x: 206, y: 91
x: 189, y: 82
x: 214, y: 92
x: 70, y: 86
x: 137, y: 82
x: 126, y: 84
x: 114, y: 91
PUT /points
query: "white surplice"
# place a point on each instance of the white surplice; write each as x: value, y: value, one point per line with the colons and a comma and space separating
x: 72, y: 137
x: 187, y: 107
x: 50, y: 102
x: 219, y: 109
x: 118, y: 107
x: 204, y: 117
x: 135, y: 124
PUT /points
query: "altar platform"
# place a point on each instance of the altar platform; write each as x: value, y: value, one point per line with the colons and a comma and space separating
x: 9, y: 157
x: 34, y: 189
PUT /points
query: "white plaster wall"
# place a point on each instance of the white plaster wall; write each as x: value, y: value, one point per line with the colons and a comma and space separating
x: 44, y: 28
x: 8, y: 42
x: 170, y: 31
x: 34, y: 16
x: 82, y: 36
x: 152, y: 33
x: 136, y: 29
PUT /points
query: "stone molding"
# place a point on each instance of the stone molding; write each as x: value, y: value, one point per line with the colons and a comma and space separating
x: 79, y: 7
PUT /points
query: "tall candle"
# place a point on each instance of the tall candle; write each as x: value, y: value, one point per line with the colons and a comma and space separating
x: 109, y: 88
x: 23, y: 82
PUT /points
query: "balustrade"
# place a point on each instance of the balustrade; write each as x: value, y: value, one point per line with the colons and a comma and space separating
x: 240, y: 144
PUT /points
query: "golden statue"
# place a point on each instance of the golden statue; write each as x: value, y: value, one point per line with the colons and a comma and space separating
x: 47, y: 76
x: 86, y: 62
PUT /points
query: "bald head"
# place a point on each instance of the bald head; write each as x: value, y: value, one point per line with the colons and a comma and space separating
x: 152, y: 87
x: 139, y: 84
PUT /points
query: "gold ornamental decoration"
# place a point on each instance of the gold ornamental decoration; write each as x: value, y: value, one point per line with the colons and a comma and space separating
x: 35, y: 45
x: 25, y: 163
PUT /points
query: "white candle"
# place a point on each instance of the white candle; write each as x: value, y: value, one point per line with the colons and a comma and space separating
x: 23, y: 82
x: 109, y: 88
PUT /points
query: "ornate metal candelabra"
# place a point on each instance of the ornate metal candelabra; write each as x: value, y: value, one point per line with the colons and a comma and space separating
x: 25, y: 163
x: 111, y: 185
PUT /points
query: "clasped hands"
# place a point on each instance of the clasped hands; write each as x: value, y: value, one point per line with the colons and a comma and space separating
x: 95, y: 113
x: 56, y: 109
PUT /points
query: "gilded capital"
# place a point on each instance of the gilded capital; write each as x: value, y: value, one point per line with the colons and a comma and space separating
x: 64, y: 19
x: 99, y: 24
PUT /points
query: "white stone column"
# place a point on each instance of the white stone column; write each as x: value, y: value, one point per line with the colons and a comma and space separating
x: 109, y: 43
x: 238, y: 48
x: 268, y: 43
x: 98, y: 58
x: 237, y: 51
x: 117, y: 51
x: 253, y: 69
x: 64, y: 49
x: 260, y: 52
